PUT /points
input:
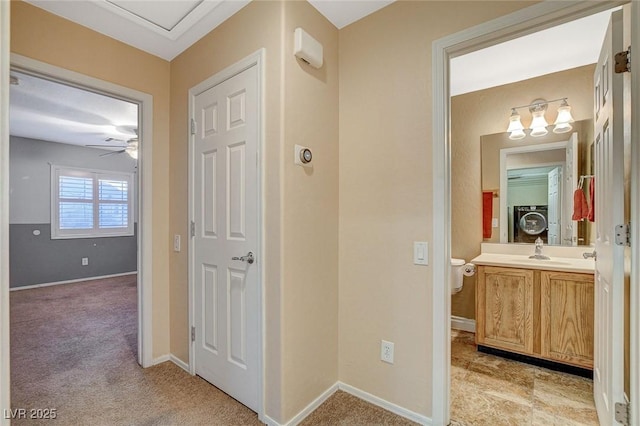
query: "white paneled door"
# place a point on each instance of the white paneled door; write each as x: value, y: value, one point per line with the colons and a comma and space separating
x: 225, y: 277
x: 554, y: 201
x: 608, y: 377
x: 570, y: 184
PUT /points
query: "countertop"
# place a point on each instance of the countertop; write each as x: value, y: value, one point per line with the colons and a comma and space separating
x: 563, y: 264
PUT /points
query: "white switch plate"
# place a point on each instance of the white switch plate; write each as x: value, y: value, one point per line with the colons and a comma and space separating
x: 176, y: 243
x: 420, y: 253
x: 85, y: 261
x: 494, y: 222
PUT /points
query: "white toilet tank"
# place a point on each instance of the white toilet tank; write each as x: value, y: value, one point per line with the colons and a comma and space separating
x: 456, y: 276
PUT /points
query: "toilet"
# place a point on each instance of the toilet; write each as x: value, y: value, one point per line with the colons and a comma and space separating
x: 456, y: 277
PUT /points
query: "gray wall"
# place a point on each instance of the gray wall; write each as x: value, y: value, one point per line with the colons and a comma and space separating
x: 39, y: 259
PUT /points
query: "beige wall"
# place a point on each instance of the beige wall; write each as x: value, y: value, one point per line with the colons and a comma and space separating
x: 301, y: 205
x: 385, y: 187
x: 47, y: 38
x: 486, y: 112
x: 310, y: 215
x: 317, y: 331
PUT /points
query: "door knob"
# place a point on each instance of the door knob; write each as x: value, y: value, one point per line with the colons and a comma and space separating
x: 248, y: 258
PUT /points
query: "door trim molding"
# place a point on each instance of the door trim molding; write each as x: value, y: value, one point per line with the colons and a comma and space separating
x: 517, y: 24
x: 255, y: 59
x: 145, y: 183
x: 634, y: 374
x: 5, y: 368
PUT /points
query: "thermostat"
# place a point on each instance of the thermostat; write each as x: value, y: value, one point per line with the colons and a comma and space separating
x: 303, y: 156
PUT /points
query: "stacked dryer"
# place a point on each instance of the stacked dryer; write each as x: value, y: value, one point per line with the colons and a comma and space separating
x: 529, y: 223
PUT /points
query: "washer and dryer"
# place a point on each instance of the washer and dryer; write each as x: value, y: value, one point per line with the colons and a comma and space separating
x: 529, y: 223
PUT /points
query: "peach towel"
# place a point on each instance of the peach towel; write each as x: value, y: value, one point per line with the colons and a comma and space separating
x: 592, y: 200
x: 580, y: 207
x: 487, y: 213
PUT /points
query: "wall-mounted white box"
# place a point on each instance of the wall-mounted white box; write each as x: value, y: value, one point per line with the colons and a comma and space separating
x: 307, y: 48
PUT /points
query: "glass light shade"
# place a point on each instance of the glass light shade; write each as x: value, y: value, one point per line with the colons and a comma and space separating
x: 564, y: 118
x: 562, y: 128
x: 539, y: 124
x: 515, y: 126
x: 132, y: 149
x: 514, y: 122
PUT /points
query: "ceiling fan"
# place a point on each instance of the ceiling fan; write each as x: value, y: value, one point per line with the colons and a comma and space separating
x: 129, y: 146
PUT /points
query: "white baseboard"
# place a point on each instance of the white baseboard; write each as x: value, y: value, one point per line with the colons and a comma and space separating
x: 180, y: 363
x: 312, y: 406
x: 29, y: 287
x: 464, y: 324
x: 305, y: 411
x: 389, y: 406
x: 269, y: 421
x: 160, y: 360
x: 172, y: 358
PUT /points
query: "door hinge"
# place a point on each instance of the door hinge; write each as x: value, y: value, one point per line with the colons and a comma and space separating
x: 622, y: 413
x: 192, y: 229
x: 193, y: 334
x: 193, y: 126
x: 623, y: 234
x: 623, y: 61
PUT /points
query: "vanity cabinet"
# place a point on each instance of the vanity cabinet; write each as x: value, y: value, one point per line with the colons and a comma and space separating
x: 538, y: 313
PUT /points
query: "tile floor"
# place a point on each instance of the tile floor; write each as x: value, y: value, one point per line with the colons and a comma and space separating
x: 489, y: 390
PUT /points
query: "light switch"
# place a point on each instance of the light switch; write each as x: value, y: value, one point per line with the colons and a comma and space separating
x: 494, y: 222
x: 420, y: 253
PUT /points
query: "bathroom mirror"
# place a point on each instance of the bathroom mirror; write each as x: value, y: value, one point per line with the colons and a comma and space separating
x: 532, y: 183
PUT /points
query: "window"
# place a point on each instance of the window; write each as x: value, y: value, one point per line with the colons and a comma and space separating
x: 90, y: 203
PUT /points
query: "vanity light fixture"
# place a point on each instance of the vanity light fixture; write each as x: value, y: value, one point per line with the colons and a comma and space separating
x: 539, y: 123
x: 515, y: 126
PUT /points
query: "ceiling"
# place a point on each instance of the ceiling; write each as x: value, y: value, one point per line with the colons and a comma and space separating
x: 571, y: 45
x: 55, y: 112
x: 167, y: 28
x: 47, y: 110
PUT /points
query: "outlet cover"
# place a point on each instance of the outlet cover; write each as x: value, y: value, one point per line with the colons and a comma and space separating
x: 386, y: 351
x: 85, y: 261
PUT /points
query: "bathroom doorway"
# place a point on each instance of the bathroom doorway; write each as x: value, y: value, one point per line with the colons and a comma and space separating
x: 464, y: 163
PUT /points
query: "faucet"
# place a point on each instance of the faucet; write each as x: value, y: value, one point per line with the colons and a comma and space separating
x: 538, y: 253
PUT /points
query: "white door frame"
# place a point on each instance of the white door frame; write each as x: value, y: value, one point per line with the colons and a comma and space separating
x: 504, y: 153
x: 256, y: 59
x: 635, y: 214
x: 5, y: 368
x: 514, y: 25
x: 145, y: 190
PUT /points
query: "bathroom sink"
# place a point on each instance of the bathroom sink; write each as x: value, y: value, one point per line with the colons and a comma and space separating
x: 546, y: 262
x: 523, y: 261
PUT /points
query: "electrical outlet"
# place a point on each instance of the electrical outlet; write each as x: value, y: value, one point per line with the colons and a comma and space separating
x: 386, y: 351
x: 85, y: 261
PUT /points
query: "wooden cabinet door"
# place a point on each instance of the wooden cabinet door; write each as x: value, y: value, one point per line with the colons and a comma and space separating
x: 504, y: 311
x: 566, y: 317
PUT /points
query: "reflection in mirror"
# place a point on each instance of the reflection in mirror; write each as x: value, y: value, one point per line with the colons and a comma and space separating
x: 533, y: 182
